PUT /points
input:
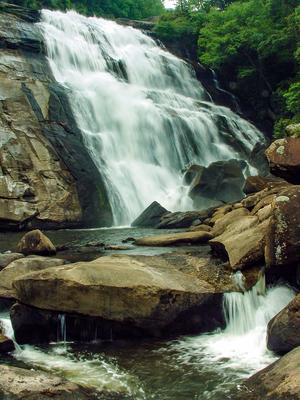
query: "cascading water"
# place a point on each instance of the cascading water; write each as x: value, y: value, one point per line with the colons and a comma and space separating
x: 243, y: 342
x: 142, y: 113
x: 205, y: 367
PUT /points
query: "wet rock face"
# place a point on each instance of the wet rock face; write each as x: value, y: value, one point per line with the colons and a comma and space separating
x: 221, y: 182
x: 284, y: 328
x: 283, y: 236
x: 284, y: 159
x: 38, y: 186
x: 279, y: 381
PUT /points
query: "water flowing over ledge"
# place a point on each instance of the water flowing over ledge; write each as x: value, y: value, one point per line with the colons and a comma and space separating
x: 142, y: 113
x: 203, y: 367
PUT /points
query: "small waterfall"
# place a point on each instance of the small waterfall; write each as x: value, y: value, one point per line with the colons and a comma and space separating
x: 62, y: 328
x: 220, y: 89
x: 142, y: 113
x: 242, y: 344
x: 240, y: 309
x: 8, y: 331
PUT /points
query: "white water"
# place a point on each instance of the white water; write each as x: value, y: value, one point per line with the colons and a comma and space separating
x: 242, y: 345
x: 219, y: 360
x: 142, y: 113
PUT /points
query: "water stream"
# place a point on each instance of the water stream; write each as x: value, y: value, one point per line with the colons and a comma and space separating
x: 142, y: 113
x: 204, y: 367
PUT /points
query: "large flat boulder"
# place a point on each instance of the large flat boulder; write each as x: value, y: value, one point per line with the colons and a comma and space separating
x: 175, y: 239
x: 22, y: 267
x: 241, y: 241
x: 18, y: 383
x: 283, y: 235
x: 279, y: 381
x: 181, y: 219
x: 7, y: 258
x: 156, y: 296
x: 284, y: 159
x: 284, y: 328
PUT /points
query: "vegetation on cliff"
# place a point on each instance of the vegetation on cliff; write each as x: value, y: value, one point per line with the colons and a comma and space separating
x: 134, y: 9
x: 254, y: 45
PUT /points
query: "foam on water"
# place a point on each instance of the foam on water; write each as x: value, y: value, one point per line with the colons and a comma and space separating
x: 142, y: 113
x: 203, y: 367
x: 242, y: 345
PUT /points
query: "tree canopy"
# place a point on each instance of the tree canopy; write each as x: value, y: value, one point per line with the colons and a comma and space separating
x: 133, y: 9
x: 254, y: 45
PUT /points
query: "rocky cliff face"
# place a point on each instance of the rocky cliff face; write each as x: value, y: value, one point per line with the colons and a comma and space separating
x: 47, y: 178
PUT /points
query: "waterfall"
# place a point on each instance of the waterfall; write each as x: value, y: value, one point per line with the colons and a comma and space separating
x: 242, y: 344
x: 62, y: 328
x: 8, y: 330
x: 142, y: 113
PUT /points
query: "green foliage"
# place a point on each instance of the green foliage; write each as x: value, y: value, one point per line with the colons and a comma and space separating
x: 255, y: 44
x: 292, y: 97
x: 133, y: 9
x: 174, y: 26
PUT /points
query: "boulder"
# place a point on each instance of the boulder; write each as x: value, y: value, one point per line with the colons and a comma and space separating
x: 293, y: 130
x: 18, y: 383
x: 7, y: 258
x: 201, y: 227
x: 225, y: 220
x: 175, y: 239
x: 193, y: 173
x: 221, y: 182
x: 284, y: 328
x: 136, y: 295
x: 35, y: 242
x: 257, y: 183
x: 6, y: 344
x: 279, y: 381
x: 151, y: 217
x: 22, y: 267
x: 242, y: 242
x: 181, y: 220
x: 284, y: 159
x: 283, y: 235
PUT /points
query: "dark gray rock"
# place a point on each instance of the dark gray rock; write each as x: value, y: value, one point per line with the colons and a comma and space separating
x: 180, y: 220
x: 220, y: 183
x: 150, y: 217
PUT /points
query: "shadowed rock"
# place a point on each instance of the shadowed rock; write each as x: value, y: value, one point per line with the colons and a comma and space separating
x: 279, y: 381
x: 150, y: 217
x: 284, y: 328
